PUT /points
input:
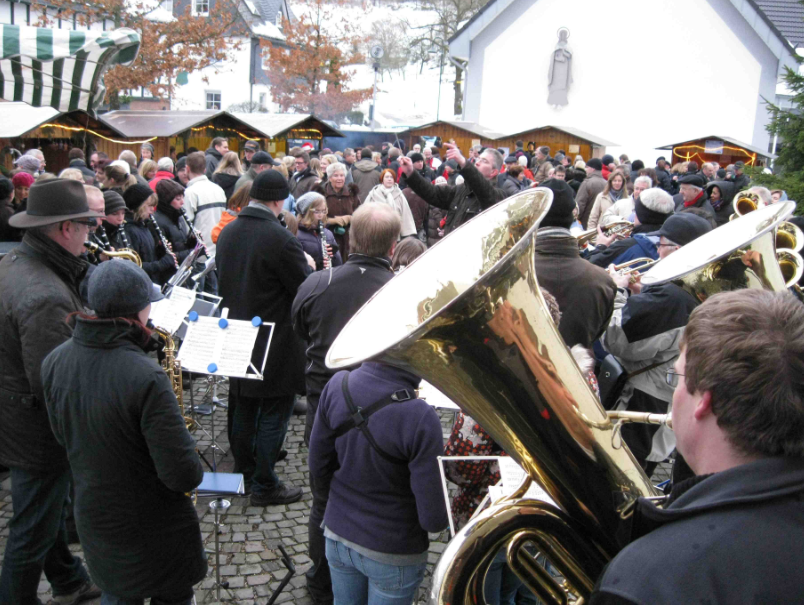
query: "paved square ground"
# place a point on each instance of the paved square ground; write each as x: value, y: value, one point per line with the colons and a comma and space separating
x: 250, y: 559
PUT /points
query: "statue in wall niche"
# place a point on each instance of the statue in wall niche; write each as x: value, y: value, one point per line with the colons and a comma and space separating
x: 559, y: 77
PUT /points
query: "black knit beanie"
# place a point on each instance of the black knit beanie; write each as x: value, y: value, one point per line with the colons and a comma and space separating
x: 135, y: 195
x: 269, y: 186
x: 560, y: 213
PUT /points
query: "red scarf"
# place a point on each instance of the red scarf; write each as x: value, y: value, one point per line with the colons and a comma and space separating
x: 695, y: 201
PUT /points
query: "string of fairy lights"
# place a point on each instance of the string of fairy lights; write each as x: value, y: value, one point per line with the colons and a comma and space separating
x: 687, y: 156
x: 306, y: 133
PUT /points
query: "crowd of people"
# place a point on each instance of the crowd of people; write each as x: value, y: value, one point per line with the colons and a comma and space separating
x: 303, y: 242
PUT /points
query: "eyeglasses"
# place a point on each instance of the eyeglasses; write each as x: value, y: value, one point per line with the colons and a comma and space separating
x: 672, y: 378
x: 88, y: 223
x: 319, y: 212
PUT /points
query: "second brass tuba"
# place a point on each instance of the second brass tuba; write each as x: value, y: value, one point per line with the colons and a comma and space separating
x: 468, y: 317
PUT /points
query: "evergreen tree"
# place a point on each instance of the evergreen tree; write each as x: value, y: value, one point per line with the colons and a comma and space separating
x: 788, y: 124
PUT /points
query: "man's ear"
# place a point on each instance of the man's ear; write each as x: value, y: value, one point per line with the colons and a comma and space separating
x: 704, y: 406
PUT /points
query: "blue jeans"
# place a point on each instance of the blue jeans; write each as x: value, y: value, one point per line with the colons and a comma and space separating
x: 358, y: 580
x: 501, y: 583
x: 258, y: 430
x: 185, y: 599
x: 37, y: 539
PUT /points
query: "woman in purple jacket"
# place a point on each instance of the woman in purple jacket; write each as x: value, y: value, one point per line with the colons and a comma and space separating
x: 380, y: 479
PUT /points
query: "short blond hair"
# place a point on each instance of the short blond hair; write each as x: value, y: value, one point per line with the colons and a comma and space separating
x: 374, y: 229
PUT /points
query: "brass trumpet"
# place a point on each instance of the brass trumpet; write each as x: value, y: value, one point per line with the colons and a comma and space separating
x: 126, y: 253
x: 627, y: 268
x: 619, y: 227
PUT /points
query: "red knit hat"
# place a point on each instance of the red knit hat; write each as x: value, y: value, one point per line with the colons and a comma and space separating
x: 22, y: 179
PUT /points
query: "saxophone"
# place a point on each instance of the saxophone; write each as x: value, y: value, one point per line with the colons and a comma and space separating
x: 172, y: 368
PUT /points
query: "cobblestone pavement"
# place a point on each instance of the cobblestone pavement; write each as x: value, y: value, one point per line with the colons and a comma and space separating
x: 249, y: 538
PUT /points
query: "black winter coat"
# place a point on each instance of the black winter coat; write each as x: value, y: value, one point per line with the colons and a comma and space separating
x: 434, y: 217
x: 132, y: 460
x: 39, y: 283
x: 325, y: 303
x: 213, y: 157
x: 226, y: 182
x: 89, y: 174
x: 175, y: 230
x: 260, y: 268
x: 311, y: 243
x: 585, y: 293
x: 463, y: 202
x: 666, y: 181
x: 733, y: 536
x: 702, y: 203
x: 155, y: 262
x: 726, y: 208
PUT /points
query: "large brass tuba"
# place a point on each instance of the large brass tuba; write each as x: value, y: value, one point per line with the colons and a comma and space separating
x: 469, y: 318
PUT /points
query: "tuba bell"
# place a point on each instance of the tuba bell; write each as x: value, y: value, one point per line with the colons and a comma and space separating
x: 739, y: 254
x: 468, y: 317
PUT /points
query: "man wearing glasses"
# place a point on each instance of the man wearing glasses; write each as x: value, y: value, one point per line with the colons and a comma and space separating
x: 643, y: 334
x: 729, y: 534
x: 39, y: 289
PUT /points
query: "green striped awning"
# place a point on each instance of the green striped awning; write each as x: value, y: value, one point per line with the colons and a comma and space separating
x: 61, y: 68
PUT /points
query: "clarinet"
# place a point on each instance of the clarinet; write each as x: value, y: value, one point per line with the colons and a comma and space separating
x: 123, y: 236
x: 325, y: 255
x: 103, y: 238
x: 163, y: 240
x: 191, y: 225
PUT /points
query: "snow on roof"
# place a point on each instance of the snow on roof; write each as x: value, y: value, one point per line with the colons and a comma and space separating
x: 268, y: 30
x: 160, y: 15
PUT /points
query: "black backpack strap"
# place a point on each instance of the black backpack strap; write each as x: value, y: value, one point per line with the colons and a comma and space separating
x: 359, y: 419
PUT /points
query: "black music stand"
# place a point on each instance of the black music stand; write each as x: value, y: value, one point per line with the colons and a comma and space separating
x: 214, y: 377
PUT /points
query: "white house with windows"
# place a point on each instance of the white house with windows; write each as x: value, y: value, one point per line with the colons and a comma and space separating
x: 242, y: 78
x: 238, y: 80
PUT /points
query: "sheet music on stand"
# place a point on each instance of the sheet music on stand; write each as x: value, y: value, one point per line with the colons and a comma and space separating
x: 223, y: 347
x: 205, y: 305
x: 170, y: 312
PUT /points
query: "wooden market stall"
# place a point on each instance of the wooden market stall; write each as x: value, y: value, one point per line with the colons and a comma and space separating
x: 465, y: 134
x: 287, y: 130
x: 715, y: 148
x: 175, y: 131
x: 468, y: 134
x: 24, y: 127
x: 571, y: 140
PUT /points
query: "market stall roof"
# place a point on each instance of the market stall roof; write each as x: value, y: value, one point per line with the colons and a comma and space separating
x: 18, y: 119
x: 279, y: 124
x: 472, y: 127
x: 594, y: 139
x: 726, y: 140
x: 144, y: 124
x: 61, y: 68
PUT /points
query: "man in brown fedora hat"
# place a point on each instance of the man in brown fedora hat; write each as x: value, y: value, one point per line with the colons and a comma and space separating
x: 39, y: 288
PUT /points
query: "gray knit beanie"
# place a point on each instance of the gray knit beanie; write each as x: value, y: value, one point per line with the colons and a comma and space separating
x: 119, y: 288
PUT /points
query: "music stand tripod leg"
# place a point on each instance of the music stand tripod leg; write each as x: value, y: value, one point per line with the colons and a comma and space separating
x: 219, y: 504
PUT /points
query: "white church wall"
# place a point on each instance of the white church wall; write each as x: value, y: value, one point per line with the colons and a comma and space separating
x: 647, y: 74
